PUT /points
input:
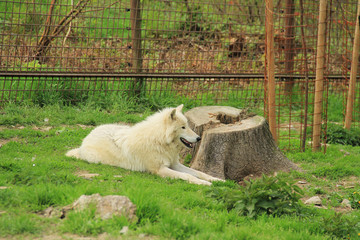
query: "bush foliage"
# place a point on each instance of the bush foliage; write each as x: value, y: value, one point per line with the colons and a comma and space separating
x: 267, y: 195
x: 336, y: 134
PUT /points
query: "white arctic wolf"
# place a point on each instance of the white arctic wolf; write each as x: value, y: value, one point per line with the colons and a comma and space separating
x: 152, y: 145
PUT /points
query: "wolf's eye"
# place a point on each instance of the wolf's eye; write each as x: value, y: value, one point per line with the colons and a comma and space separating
x: 183, y: 127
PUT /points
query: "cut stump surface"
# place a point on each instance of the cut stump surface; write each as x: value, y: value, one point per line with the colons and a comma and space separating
x: 234, y: 144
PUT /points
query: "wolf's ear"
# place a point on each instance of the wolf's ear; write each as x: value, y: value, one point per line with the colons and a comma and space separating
x: 180, y: 107
x: 173, y: 114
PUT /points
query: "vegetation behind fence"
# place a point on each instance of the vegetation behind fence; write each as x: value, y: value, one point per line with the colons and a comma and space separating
x: 207, y: 51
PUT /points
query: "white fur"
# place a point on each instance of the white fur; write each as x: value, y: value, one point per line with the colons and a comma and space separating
x: 152, y: 145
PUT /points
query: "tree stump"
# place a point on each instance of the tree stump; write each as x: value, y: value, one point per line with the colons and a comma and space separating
x: 234, y: 144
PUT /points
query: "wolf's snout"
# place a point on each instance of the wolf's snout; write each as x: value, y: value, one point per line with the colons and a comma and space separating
x: 198, y: 139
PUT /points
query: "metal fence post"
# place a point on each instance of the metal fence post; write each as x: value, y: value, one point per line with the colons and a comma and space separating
x: 135, y: 18
x: 270, y: 66
x: 353, y: 73
x: 319, y: 81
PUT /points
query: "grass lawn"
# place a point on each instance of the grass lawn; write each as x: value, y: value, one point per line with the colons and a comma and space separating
x: 35, y: 174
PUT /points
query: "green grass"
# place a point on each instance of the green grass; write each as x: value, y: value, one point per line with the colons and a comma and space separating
x: 38, y: 175
x: 85, y: 223
x: 17, y: 223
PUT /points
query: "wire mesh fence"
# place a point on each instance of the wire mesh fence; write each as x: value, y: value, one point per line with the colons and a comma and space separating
x: 176, y: 36
x: 76, y: 87
x: 209, y: 51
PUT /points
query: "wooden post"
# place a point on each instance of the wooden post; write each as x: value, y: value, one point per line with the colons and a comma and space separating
x: 353, y: 73
x: 135, y: 18
x: 289, y: 44
x: 270, y: 66
x: 319, y: 81
x: 306, y: 70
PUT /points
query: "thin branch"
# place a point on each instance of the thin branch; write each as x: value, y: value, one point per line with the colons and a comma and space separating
x: 95, y: 10
x: 46, y: 40
x: 69, y: 30
x: 48, y: 22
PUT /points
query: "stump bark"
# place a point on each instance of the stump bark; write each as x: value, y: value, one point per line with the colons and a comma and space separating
x: 234, y: 144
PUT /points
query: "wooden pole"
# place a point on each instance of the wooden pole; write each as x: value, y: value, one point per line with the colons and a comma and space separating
x: 270, y: 66
x: 306, y: 70
x: 319, y: 81
x: 353, y: 73
x: 289, y: 44
x: 135, y: 18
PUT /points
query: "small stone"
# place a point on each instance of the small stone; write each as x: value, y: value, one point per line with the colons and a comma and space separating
x: 88, y: 175
x: 302, y: 182
x: 345, y: 152
x: 60, y: 131
x: 107, y: 206
x: 82, y: 126
x: 46, y: 129
x: 49, y: 212
x: 346, y: 203
x: 124, y: 230
x: 316, y: 200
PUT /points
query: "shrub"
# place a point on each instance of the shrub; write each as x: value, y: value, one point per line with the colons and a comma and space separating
x: 336, y: 134
x: 340, y: 226
x: 355, y: 200
x: 267, y: 195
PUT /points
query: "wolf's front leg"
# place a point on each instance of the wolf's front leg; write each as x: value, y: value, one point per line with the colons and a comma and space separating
x: 167, y: 172
x: 181, y: 168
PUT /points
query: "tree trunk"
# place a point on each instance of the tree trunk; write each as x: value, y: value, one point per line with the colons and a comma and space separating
x: 234, y: 144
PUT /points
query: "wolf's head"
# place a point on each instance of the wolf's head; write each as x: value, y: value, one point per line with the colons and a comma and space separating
x: 178, y: 129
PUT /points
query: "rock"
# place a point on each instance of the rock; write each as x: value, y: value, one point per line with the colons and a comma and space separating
x: 316, y: 200
x: 124, y: 230
x: 345, y: 152
x: 88, y: 176
x: 107, y: 206
x: 346, y: 203
x: 51, y: 212
x: 48, y: 212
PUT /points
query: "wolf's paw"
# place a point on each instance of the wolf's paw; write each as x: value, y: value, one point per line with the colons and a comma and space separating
x: 213, y: 179
x: 201, y: 182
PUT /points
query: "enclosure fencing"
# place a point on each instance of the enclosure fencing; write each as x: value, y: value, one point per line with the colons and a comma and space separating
x: 293, y: 59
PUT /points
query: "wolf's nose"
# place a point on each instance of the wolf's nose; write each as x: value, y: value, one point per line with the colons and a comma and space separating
x: 198, y: 138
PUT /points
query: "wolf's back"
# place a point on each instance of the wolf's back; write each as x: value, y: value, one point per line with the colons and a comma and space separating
x: 73, y: 153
